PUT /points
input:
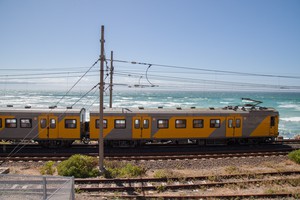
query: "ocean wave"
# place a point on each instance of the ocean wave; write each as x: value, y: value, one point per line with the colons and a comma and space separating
x: 291, y: 119
x: 289, y: 106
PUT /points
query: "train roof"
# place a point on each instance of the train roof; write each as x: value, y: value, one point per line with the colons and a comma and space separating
x: 39, y: 110
x: 178, y: 110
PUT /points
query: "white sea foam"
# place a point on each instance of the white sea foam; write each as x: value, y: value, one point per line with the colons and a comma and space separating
x: 290, y: 106
x: 224, y: 102
x: 291, y: 119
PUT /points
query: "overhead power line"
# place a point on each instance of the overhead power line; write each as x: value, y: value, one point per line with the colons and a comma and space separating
x: 207, y: 70
x: 76, y: 82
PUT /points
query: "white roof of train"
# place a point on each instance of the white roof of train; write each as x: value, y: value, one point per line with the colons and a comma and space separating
x: 38, y: 110
x: 182, y: 110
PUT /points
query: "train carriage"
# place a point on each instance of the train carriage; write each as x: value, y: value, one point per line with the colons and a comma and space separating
x: 230, y: 124
x: 129, y: 127
x: 49, y: 127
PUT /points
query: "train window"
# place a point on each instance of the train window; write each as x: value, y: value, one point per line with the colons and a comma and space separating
x: 272, y: 121
x: 26, y: 123
x: 146, y: 123
x: 198, y: 123
x: 70, y: 123
x: 137, y: 124
x: 43, y: 123
x: 215, y: 123
x: 120, y: 123
x: 0, y: 123
x: 230, y: 121
x: 52, y: 123
x: 163, y: 123
x: 10, y: 123
x: 180, y: 123
x: 104, y: 123
x: 237, y: 123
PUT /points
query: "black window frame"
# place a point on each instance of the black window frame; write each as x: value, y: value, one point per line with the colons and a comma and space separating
x: 25, y: 125
x: 214, y: 124
x: 165, y: 123
x: 146, y: 125
x: 97, y: 125
x: 0, y: 122
x: 180, y: 125
x: 195, y: 124
x: 119, y: 125
x: 137, y: 123
x: 238, y: 123
x: 51, y: 124
x: 272, y: 121
x: 230, y: 123
x: 67, y: 125
x: 43, y: 123
x: 9, y: 123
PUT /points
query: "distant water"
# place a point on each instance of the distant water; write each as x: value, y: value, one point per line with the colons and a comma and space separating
x: 288, y: 104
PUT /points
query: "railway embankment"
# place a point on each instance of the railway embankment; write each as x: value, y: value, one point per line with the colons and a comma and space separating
x: 254, y: 177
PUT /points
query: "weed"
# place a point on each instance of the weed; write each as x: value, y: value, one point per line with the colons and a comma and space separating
x: 295, y: 156
x: 48, y: 168
x: 232, y: 170
x: 78, y: 191
x: 160, y: 188
x: 163, y: 173
x: 270, y: 191
x: 124, y: 171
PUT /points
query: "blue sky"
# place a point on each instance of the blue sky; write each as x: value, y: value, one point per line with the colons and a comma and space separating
x: 255, y: 37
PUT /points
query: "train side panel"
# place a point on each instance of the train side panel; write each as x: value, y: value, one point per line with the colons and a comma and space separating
x: 196, y: 124
x: 18, y: 125
x: 115, y: 127
x: 59, y: 126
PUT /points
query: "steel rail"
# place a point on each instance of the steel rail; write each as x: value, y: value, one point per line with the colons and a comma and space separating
x: 146, y: 186
x: 221, y: 176
x: 181, y: 156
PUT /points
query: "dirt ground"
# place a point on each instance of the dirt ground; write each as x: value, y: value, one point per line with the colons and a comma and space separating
x: 188, y: 168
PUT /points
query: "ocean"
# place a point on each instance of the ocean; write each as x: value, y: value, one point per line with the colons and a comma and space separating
x: 288, y: 104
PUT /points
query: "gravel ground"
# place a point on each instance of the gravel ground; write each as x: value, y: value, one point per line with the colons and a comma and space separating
x: 184, y: 168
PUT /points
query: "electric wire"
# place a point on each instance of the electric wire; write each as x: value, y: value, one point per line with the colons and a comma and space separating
x: 76, y: 82
x: 17, y: 149
x: 207, y: 70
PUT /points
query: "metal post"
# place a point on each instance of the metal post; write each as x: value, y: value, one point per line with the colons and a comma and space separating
x: 44, y: 188
x: 111, y: 79
x: 73, y: 188
x: 101, y: 88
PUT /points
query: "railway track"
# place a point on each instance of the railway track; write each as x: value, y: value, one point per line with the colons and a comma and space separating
x: 192, y: 187
x: 183, y: 156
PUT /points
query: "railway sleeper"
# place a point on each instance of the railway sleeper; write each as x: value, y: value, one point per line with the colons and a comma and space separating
x: 55, y: 143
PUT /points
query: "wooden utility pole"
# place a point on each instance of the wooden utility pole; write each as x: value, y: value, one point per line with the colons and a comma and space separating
x: 111, y: 79
x: 101, y: 89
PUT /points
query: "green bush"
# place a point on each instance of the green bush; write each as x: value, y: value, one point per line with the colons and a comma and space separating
x: 48, y: 168
x: 79, y: 166
x: 295, y: 156
x: 121, y: 170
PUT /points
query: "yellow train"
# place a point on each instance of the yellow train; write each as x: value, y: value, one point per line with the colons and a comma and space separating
x: 130, y: 127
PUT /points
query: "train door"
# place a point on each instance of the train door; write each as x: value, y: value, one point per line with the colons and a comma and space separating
x: 48, y: 127
x: 234, y: 127
x: 141, y: 127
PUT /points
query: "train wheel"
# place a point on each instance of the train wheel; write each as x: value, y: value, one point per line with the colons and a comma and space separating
x: 85, y: 140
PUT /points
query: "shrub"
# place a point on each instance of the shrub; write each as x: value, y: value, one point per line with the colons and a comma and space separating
x: 79, y: 166
x: 295, y: 156
x: 122, y: 170
x: 48, y: 168
x: 163, y: 173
